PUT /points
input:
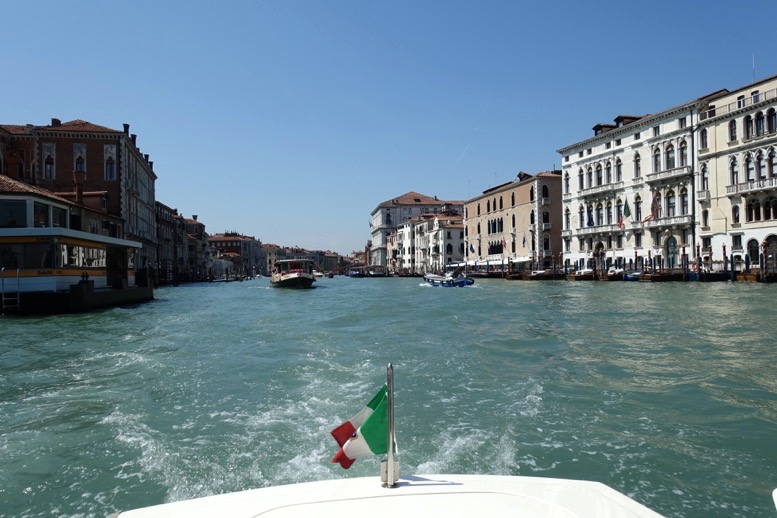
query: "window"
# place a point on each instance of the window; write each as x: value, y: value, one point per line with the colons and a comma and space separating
x: 756, y: 96
x: 748, y: 127
x: 670, y: 157
x: 706, y: 242
x: 501, y: 204
x: 683, y: 154
x: 617, y: 142
x: 599, y: 214
x: 531, y: 193
x: 703, y: 139
x: 670, y: 204
x: 760, y: 166
x: 771, y: 120
x: 749, y: 169
x: 582, y: 216
x: 734, y: 171
x: 512, y: 195
x: 684, y: 202
x: 736, y: 242
x: 754, y: 211
x: 608, y: 214
x: 732, y: 131
x: 637, y: 166
x: 608, y: 173
x: 735, y: 214
x: 80, y: 164
x: 13, y: 214
x: 618, y: 170
x: 760, y: 127
x: 657, y: 161
x: 580, y: 182
x: 110, y: 169
x: 656, y: 131
x: 636, y: 136
x: 683, y: 122
x: 705, y: 218
x: 566, y: 187
x: 638, y: 239
x: 741, y: 101
x: 545, y: 193
x: 545, y: 216
x: 590, y: 177
x: 637, y: 208
x: 48, y: 168
x: 567, y: 219
x: 598, y: 175
x: 705, y: 178
x: 772, y: 166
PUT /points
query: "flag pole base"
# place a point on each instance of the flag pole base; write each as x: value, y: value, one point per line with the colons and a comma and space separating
x: 384, y: 478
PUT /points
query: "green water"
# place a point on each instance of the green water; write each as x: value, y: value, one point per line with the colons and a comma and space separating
x: 666, y: 392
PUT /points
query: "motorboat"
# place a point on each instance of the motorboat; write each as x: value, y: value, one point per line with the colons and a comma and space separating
x: 418, y: 495
x: 615, y: 274
x: 293, y: 273
x: 449, y: 279
x: 586, y: 274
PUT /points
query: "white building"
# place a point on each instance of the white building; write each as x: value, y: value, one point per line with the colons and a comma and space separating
x: 737, y: 191
x: 429, y: 243
x: 389, y: 215
x: 646, y: 163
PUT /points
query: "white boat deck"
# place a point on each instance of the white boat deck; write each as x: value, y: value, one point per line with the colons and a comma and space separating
x: 430, y: 496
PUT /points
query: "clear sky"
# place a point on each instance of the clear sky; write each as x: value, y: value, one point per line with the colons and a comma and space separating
x: 291, y: 120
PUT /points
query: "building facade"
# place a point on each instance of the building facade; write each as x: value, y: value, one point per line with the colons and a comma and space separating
x: 111, y: 163
x: 515, y: 225
x: 387, y: 217
x: 629, y: 191
x: 737, y: 185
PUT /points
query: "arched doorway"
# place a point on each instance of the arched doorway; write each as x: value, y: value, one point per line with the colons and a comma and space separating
x: 672, y: 252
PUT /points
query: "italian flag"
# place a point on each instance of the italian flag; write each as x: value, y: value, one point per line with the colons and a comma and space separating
x: 363, y: 434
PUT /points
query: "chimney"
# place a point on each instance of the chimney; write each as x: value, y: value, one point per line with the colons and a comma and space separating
x: 56, y: 122
x: 151, y: 165
x: 134, y: 138
x: 126, y: 128
x: 146, y: 157
x: 78, y: 180
x: 194, y: 217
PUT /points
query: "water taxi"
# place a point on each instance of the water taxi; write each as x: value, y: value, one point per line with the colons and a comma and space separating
x: 293, y: 273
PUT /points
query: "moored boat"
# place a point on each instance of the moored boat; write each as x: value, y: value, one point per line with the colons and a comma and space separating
x: 293, y: 273
x: 582, y: 275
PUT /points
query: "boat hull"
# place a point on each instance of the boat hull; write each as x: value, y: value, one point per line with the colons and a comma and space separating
x: 448, y: 282
x: 419, y: 495
x: 293, y: 281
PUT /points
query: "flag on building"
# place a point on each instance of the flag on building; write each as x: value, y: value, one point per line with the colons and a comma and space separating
x: 524, y: 241
x: 626, y: 214
x: 472, y: 248
x: 655, y: 206
x: 365, y: 433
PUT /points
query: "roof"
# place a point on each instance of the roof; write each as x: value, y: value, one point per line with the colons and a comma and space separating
x: 78, y: 125
x: 10, y: 186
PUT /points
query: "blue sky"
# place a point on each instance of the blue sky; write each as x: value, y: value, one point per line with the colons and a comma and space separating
x: 292, y: 120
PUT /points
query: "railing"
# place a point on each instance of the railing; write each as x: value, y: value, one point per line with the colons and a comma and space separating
x: 669, y: 173
x: 674, y: 220
x: 9, y: 300
x: 739, y: 104
x: 590, y: 191
x: 703, y: 195
x: 752, y: 186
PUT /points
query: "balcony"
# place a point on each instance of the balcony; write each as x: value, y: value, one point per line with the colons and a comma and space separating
x: 546, y: 226
x: 669, y: 174
x: 545, y: 201
x: 532, y: 227
x: 703, y: 195
x: 599, y: 189
x: 675, y: 221
x: 755, y: 186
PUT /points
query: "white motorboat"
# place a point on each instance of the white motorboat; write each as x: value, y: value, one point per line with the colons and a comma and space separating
x: 293, y: 273
x: 422, y: 495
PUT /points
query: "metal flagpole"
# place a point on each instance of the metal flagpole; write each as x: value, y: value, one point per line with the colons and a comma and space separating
x: 391, y: 470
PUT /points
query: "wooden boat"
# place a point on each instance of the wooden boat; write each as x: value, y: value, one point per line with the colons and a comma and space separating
x: 449, y: 280
x: 615, y: 274
x: 542, y: 275
x: 582, y: 275
x: 293, y: 273
x: 662, y: 276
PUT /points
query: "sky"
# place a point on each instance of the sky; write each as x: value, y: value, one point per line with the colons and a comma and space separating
x: 292, y: 120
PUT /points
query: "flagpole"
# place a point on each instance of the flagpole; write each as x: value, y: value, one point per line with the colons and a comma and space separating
x: 390, y: 480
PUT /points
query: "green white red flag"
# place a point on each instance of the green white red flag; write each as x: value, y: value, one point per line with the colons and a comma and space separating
x: 365, y: 433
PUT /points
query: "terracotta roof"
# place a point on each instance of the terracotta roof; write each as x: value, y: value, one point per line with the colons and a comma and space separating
x: 10, y: 186
x: 15, y: 129
x: 80, y: 125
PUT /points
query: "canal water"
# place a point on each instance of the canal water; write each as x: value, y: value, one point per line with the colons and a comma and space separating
x: 666, y: 392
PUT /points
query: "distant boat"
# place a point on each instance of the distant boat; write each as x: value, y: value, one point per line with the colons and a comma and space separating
x: 449, y: 280
x: 376, y: 270
x: 293, y: 273
x: 615, y: 274
x: 632, y: 276
x: 357, y: 271
x: 582, y: 275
